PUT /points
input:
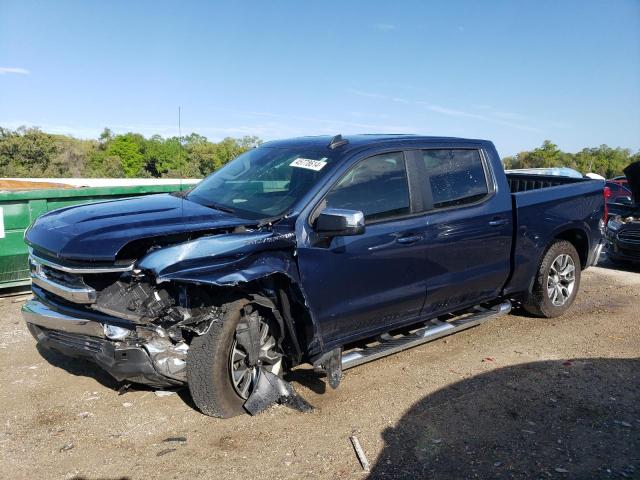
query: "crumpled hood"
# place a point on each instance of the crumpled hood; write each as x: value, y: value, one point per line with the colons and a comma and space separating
x: 229, y: 253
x: 632, y: 172
x: 98, y: 231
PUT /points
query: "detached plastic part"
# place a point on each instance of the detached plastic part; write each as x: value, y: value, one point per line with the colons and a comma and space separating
x: 271, y: 389
x: 331, y: 363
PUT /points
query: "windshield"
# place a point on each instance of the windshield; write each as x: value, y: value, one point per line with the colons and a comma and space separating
x: 263, y: 182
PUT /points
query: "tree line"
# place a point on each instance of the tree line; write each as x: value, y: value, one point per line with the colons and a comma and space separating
x: 603, y: 160
x: 30, y: 152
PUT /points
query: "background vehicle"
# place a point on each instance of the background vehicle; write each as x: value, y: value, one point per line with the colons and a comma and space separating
x: 620, y: 180
x: 332, y: 251
x: 618, y: 193
x: 623, y: 227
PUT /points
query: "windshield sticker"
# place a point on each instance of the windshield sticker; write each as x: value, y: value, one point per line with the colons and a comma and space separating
x: 309, y: 164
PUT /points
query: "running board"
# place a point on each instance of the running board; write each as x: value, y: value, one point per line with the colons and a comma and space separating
x: 432, y: 330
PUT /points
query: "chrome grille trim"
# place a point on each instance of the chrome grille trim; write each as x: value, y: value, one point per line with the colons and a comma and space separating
x: 630, y: 236
x: 84, y: 294
x: 79, y: 270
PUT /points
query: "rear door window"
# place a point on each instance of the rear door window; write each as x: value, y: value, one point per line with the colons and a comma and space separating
x: 454, y: 177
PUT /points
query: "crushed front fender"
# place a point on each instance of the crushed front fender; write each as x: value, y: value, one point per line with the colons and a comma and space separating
x: 229, y: 260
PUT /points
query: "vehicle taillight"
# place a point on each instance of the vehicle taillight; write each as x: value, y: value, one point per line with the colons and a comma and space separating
x: 607, y: 195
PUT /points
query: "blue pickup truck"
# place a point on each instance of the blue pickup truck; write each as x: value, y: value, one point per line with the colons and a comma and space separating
x: 330, y: 251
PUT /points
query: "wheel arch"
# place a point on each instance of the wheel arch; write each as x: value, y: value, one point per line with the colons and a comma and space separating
x: 278, y: 295
x: 580, y: 241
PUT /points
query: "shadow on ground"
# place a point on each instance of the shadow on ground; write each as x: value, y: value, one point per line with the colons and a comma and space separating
x: 79, y: 367
x: 557, y: 419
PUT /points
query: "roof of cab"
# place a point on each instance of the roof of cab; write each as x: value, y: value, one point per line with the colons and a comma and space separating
x: 364, y: 140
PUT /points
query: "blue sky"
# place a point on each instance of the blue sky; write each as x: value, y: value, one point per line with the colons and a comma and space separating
x: 513, y: 72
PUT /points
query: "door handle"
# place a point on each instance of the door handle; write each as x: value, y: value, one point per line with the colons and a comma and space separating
x: 497, y: 222
x: 409, y: 239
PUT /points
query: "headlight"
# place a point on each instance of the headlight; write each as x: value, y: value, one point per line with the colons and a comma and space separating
x: 114, y: 332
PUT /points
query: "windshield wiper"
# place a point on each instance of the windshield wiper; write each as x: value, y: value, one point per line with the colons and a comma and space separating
x: 180, y: 193
x: 222, y: 208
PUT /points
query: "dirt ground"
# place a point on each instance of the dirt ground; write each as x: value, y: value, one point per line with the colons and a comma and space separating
x: 516, y: 397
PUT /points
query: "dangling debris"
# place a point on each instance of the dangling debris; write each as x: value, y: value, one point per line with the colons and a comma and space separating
x: 331, y: 364
x: 271, y: 389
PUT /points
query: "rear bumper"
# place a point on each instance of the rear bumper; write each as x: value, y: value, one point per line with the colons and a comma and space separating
x: 83, y: 338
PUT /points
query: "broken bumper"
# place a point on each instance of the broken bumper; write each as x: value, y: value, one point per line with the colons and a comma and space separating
x: 84, y: 338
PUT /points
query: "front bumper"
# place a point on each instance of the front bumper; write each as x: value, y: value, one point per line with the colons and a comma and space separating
x: 619, y: 249
x: 85, y: 338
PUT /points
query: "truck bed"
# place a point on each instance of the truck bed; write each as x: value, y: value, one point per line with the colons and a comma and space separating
x: 544, y: 206
x: 523, y: 182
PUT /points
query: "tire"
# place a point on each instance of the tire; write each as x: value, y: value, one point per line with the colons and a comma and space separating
x: 541, y: 302
x: 209, y: 364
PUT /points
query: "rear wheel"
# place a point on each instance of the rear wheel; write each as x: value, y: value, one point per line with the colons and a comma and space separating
x: 557, y: 281
x: 219, y: 374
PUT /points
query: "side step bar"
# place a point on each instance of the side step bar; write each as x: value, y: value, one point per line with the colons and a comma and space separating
x: 432, y: 330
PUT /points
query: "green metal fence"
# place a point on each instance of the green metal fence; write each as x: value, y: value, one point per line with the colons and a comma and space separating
x: 18, y: 209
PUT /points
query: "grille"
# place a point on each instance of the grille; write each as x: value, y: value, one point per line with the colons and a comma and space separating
x: 630, y: 236
x: 75, y: 341
x: 68, y: 279
x: 73, y: 282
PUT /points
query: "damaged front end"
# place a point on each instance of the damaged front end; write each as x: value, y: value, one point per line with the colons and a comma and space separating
x: 137, y: 319
x: 132, y: 328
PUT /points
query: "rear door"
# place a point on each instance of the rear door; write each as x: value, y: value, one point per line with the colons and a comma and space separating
x: 469, y: 229
x: 362, y: 284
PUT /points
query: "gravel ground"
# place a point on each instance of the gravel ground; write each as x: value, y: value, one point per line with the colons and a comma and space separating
x: 517, y: 397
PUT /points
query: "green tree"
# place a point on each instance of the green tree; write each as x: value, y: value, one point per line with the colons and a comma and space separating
x: 162, y: 156
x: 603, y: 160
x: 548, y: 155
x: 129, y: 148
x: 106, y: 136
x: 26, y: 152
x: 29, y: 152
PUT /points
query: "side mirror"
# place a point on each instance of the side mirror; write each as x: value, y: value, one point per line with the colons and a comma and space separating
x: 340, y: 222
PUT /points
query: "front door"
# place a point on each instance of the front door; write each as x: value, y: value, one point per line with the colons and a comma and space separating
x: 363, y: 284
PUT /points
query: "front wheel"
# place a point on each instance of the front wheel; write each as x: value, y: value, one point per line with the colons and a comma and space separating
x: 219, y: 374
x: 557, y: 281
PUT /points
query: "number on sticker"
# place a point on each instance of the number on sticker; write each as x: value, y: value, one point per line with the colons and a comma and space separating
x: 307, y: 163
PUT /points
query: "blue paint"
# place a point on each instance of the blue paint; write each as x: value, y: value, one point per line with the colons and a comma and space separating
x: 353, y: 286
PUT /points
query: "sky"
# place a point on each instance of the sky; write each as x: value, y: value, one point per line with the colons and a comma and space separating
x: 516, y: 73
